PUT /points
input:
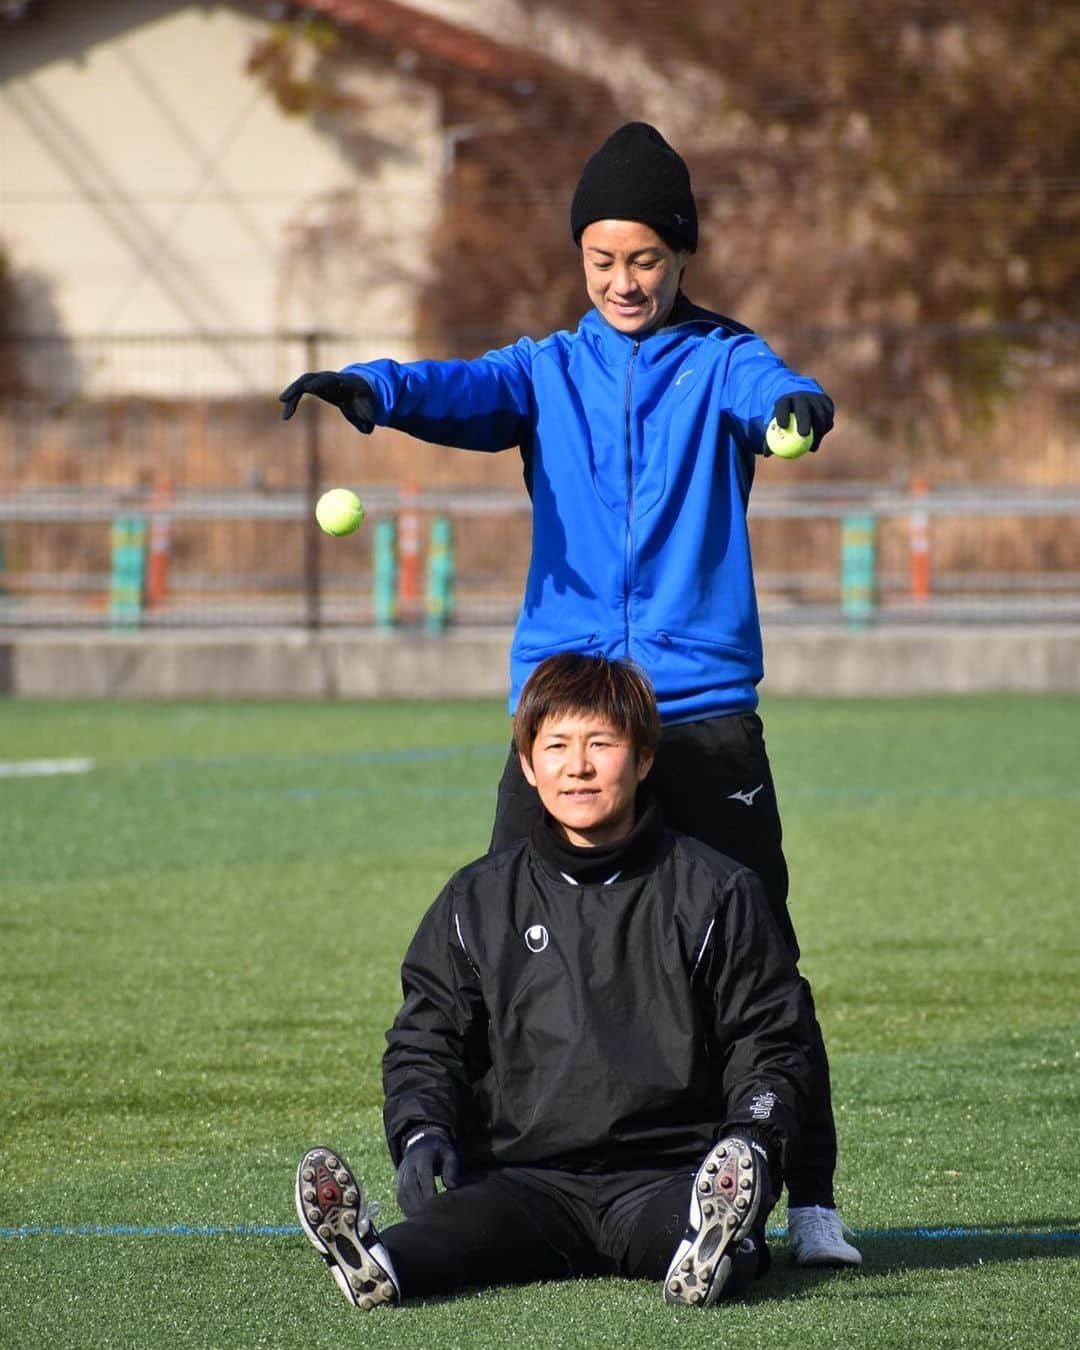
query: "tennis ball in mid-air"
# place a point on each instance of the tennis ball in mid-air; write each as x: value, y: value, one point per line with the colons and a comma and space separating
x: 339, y: 511
x: 786, y: 441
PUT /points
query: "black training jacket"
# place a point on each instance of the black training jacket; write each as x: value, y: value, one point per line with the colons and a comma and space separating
x: 598, y: 1026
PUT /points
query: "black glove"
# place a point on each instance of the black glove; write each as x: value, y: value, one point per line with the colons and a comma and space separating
x: 351, y: 393
x: 812, y: 412
x: 429, y: 1154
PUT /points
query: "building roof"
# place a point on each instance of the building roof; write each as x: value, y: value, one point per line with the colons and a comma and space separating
x: 404, y: 28
x: 418, y: 39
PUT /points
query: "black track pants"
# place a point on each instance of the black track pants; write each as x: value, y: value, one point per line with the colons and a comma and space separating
x: 712, y: 781
x: 521, y: 1224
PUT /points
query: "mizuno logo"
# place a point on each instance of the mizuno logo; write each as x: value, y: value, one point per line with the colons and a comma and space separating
x: 747, y: 798
x: 682, y: 376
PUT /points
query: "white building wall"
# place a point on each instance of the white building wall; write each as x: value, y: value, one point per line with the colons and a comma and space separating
x: 150, y: 185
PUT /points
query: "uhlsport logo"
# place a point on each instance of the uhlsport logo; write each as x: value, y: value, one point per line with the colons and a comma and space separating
x: 536, y: 937
x: 761, y: 1106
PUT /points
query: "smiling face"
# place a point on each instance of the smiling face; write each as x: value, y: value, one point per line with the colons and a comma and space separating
x: 631, y: 275
x: 586, y: 772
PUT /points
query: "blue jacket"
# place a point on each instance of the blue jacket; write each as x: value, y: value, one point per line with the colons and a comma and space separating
x: 639, y: 457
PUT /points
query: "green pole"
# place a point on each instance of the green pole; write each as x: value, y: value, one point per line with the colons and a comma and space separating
x: 128, y: 571
x: 440, y: 576
x: 858, y: 564
x: 385, y: 574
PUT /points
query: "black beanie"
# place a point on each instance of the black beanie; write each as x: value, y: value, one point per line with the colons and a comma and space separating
x: 635, y: 175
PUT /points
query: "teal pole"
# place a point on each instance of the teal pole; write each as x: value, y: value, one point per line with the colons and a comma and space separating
x: 858, y: 566
x: 385, y: 569
x: 128, y: 571
x: 440, y: 576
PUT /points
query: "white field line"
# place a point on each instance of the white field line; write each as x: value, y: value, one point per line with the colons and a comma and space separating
x: 42, y: 768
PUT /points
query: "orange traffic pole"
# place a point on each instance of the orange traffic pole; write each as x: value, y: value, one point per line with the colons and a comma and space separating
x: 157, y: 562
x: 920, y: 541
x: 409, y: 555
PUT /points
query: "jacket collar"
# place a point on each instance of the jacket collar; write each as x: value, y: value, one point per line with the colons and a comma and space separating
x: 614, y: 348
x: 631, y: 856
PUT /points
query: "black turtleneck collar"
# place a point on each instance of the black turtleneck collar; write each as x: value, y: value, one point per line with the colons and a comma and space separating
x: 630, y: 856
x: 685, y: 311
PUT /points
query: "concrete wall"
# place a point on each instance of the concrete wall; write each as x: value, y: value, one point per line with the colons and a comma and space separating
x: 149, y: 184
x: 474, y: 664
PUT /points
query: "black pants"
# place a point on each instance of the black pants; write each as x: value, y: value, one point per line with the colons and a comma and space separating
x: 712, y: 780
x: 520, y: 1224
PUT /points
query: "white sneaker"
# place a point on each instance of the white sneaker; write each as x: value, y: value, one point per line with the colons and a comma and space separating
x: 818, y: 1237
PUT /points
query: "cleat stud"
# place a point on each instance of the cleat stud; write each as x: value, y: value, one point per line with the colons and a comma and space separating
x: 741, y: 1202
x: 342, y: 1177
x: 314, y: 1215
x: 712, y: 1166
x: 366, y: 1303
x: 745, y: 1184
x: 731, y: 1221
x: 726, y: 1183
x: 308, y: 1174
x: 695, y: 1296
x: 708, y: 1211
x: 309, y: 1194
x: 746, y: 1163
x: 331, y: 1162
x: 387, y: 1290
x: 325, y: 1232
x: 674, y: 1286
x: 688, y: 1264
x: 350, y: 1197
x: 705, y: 1187
x: 349, y: 1220
x: 721, y: 1152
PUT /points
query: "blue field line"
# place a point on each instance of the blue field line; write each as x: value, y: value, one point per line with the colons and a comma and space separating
x: 294, y: 1230
x: 413, y: 754
x: 844, y: 795
x: 403, y: 755
x: 152, y: 1230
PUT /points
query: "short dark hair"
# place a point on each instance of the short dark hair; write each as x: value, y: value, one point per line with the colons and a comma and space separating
x: 619, y: 691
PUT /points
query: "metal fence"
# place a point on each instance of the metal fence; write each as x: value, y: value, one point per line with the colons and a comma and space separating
x: 870, y: 557
x: 184, y: 506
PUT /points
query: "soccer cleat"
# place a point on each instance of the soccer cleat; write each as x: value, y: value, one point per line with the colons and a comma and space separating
x: 817, y: 1237
x: 718, y: 1255
x: 337, y: 1222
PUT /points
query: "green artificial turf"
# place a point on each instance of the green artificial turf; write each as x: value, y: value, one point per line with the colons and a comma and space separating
x: 199, y: 947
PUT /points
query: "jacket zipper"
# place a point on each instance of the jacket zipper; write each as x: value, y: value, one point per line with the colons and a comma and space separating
x: 629, y: 561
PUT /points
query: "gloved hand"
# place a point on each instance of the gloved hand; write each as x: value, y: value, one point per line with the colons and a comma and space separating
x: 813, y: 412
x: 429, y: 1154
x: 351, y: 393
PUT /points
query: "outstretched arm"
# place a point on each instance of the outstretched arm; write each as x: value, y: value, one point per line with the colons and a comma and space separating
x: 762, y: 389
x: 484, y: 404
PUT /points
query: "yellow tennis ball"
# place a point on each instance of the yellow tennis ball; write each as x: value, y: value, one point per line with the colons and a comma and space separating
x: 786, y: 441
x: 339, y: 511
